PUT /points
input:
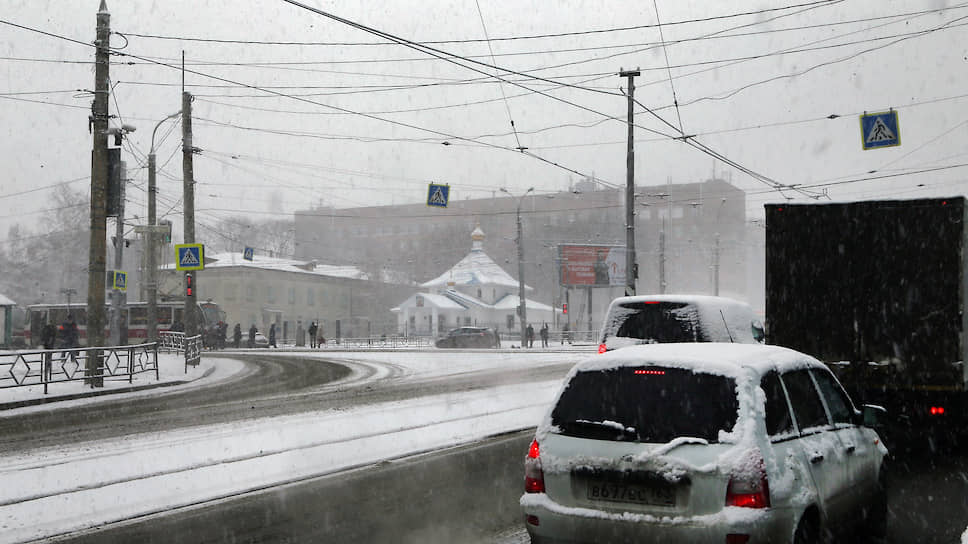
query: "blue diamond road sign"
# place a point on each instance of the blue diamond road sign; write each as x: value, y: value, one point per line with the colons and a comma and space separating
x: 120, y: 281
x: 880, y: 130
x: 248, y: 254
x: 437, y: 195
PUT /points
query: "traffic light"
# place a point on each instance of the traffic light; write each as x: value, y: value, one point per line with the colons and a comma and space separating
x: 188, y: 285
x: 167, y: 234
x: 564, y: 308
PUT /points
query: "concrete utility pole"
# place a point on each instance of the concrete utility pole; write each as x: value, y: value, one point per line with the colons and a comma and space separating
x: 630, y: 272
x: 151, y: 239
x: 191, y: 325
x: 117, y: 296
x: 99, y: 183
x: 520, y: 240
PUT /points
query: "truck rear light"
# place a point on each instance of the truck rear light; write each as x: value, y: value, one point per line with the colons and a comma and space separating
x: 533, y: 474
x: 602, y: 348
x: 748, y: 486
x: 937, y: 410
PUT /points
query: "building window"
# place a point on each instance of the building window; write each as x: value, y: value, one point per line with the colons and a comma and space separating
x: 677, y: 212
x: 310, y: 297
x: 270, y: 295
x: 479, y: 293
x: 250, y: 293
x: 231, y: 291
x: 467, y: 320
x: 292, y: 295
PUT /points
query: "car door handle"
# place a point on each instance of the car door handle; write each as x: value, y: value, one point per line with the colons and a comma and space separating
x: 816, y: 458
x: 850, y: 449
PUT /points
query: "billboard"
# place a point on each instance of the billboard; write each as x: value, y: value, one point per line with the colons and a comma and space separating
x: 592, y: 266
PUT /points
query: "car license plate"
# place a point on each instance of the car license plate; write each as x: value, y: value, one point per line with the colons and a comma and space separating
x: 616, y: 492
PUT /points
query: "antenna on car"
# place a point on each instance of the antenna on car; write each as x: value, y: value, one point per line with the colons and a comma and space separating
x: 725, y: 324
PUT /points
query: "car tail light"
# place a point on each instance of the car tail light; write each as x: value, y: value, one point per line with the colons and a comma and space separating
x: 748, y: 486
x: 533, y: 474
x: 602, y: 348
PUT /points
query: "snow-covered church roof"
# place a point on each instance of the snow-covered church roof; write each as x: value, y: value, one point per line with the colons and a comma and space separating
x: 475, y: 269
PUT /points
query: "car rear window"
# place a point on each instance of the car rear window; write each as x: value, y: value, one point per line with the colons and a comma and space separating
x: 646, y: 404
x: 659, y: 322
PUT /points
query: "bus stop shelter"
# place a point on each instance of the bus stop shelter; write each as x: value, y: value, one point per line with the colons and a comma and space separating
x: 6, y: 324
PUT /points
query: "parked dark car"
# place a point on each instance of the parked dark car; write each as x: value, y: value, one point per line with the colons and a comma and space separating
x: 470, y: 337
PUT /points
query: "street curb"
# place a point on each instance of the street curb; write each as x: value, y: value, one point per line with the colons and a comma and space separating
x: 98, y: 393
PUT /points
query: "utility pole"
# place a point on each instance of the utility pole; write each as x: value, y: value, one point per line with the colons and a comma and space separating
x: 151, y: 237
x: 117, y: 296
x: 522, y: 305
x: 99, y: 182
x: 630, y: 269
x: 191, y: 325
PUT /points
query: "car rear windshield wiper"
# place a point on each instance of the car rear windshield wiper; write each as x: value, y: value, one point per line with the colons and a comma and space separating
x: 599, y: 429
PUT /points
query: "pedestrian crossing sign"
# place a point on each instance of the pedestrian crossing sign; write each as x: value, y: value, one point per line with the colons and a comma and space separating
x: 437, y: 195
x: 120, y: 282
x: 880, y: 130
x: 248, y: 253
x: 189, y: 257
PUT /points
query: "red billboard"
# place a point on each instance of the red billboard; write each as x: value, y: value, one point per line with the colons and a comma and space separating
x: 592, y: 266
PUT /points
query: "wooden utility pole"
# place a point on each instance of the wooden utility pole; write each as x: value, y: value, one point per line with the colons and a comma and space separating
x: 191, y: 324
x: 630, y: 271
x: 99, y: 184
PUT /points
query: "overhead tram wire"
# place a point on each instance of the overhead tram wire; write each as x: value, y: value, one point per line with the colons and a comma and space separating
x: 507, y: 107
x: 509, y: 38
x: 665, y: 51
x: 372, y: 117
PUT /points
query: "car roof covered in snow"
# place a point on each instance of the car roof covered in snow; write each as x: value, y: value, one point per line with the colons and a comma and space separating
x: 708, y: 357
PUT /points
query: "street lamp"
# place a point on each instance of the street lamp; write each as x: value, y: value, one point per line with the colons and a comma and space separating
x: 520, y: 242
x: 150, y: 238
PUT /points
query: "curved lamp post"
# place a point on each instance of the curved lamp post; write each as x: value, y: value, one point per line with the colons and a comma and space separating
x: 521, y: 301
x: 152, y: 222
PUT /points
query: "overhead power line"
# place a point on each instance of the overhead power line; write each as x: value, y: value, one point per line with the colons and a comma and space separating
x: 507, y: 38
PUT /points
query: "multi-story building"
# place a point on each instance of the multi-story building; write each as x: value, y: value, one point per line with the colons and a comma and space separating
x: 689, y: 238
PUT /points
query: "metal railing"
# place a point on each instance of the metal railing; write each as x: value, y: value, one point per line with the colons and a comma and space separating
x: 44, y: 367
x: 378, y: 342
x: 177, y: 341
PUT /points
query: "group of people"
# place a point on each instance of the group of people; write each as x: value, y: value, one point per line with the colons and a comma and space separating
x: 529, y: 336
x: 315, y: 333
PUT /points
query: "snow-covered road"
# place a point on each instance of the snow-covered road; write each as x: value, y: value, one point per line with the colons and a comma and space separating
x: 60, y: 490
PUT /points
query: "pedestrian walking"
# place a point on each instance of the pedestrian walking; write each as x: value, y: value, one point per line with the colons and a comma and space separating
x: 529, y: 336
x: 544, y: 335
x: 272, y: 336
x: 237, y: 335
x: 48, y: 336
x: 69, y: 337
x: 312, y: 334
x: 252, y: 331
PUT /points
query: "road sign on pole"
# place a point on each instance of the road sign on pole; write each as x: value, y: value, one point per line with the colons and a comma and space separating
x: 880, y: 130
x: 248, y: 253
x: 189, y: 257
x: 438, y: 195
x: 120, y: 282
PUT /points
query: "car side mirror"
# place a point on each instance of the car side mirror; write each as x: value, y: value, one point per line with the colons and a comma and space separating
x: 873, y: 415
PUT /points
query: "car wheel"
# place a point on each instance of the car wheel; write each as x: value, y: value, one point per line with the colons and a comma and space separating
x: 808, y: 530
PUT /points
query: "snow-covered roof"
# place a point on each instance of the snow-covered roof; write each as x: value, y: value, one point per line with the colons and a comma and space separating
x: 474, y: 269
x: 228, y: 260
x: 4, y: 301
x: 430, y: 300
x: 510, y: 302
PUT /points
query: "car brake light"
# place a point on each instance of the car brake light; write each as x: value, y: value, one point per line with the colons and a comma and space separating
x: 748, y: 486
x: 533, y: 474
x: 602, y: 348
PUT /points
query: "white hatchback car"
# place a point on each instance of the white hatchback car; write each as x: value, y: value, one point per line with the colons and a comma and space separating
x: 703, y: 442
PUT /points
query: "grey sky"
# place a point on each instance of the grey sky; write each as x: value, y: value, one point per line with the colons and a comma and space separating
x: 264, y: 153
